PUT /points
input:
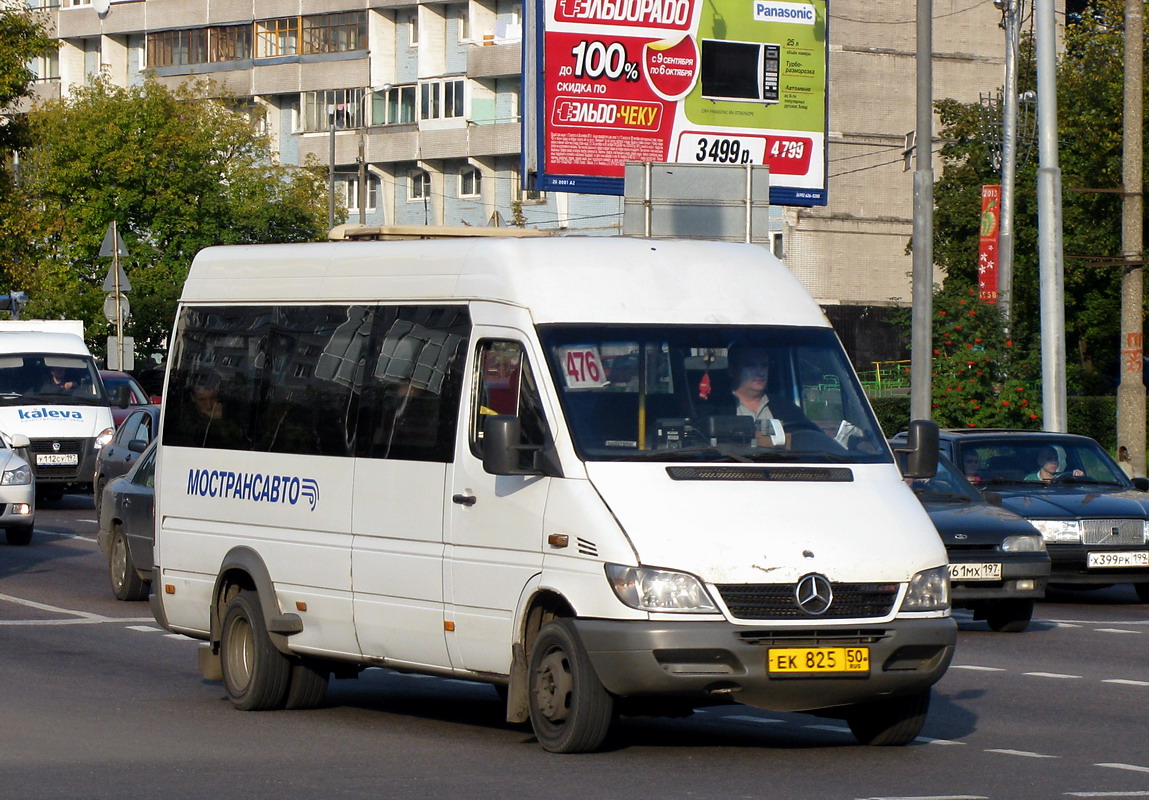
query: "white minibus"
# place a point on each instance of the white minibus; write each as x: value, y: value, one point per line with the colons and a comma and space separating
x: 50, y: 391
x: 605, y: 475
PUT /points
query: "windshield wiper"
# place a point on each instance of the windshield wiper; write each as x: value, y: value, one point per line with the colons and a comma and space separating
x: 931, y: 494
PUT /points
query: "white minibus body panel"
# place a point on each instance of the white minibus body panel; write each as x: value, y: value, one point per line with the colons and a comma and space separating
x: 645, y: 468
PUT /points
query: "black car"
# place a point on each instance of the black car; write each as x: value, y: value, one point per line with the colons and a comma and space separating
x: 127, y: 528
x: 117, y: 456
x: 1094, y: 519
x: 998, y: 561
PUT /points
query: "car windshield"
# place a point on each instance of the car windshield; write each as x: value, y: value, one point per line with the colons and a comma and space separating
x: 1038, y: 461
x: 947, y: 484
x: 711, y: 393
x: 50, y: 379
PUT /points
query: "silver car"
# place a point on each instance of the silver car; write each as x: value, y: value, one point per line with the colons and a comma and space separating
x: 17, y: 491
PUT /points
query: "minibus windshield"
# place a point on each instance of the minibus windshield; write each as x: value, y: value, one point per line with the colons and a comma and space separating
x: 711, y: 393
x: 49, y: 379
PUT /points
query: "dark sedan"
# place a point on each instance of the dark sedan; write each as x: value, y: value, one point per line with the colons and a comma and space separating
x: 117, y: 456
x: 1094, y: 519
x: 998, y: 562
x: 127, y: 521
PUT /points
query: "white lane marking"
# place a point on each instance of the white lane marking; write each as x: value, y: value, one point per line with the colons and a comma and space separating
x: 1107, y: 794
x: 1130, y: 767
x: 1058, y: 675
x: 1077, y: 623
x: 1023, y: 753
x: 65, y: 535
x: 145, y: 628
x: 977, y: 668
x: 1061, y: 624
x: 1116, y: 630
x: 1126, y: 682
x: 179, y: 636
x: 928, y: 740
x: 930, y: 797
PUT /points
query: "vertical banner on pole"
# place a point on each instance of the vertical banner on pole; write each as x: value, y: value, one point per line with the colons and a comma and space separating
x: 987, y: 252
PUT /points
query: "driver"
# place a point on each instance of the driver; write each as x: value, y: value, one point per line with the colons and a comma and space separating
x: 1047, y: 463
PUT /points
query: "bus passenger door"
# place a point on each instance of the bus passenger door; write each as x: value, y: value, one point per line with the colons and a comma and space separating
x: 494, y: 540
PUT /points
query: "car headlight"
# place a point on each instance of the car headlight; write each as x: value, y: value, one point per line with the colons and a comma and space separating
x: 929, y: 590
x: 105, y: 436
x: 659, y: 589
x: 1058, y: 531
x: 1024, y: 543
x: 21, y: 476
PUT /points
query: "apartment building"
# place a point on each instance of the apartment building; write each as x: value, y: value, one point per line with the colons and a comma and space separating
x: 420, y: 104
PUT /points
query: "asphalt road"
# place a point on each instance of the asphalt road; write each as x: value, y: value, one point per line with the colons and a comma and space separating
x: 96, y: 701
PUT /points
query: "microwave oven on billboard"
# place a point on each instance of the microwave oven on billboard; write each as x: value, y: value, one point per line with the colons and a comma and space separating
x: 745, y: 72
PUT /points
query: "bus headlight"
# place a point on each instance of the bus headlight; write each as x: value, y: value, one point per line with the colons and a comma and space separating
x: 105, y: 436
x: 659, y: 589
x: 929, y: 590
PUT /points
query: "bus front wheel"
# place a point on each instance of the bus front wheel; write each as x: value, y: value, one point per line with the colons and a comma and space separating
x: 255, y: 674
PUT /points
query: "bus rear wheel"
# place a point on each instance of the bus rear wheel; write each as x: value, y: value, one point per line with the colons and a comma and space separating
x: 255, y: 674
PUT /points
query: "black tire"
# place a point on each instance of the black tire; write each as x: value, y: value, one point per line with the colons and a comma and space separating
x: 126, y: 582
x: 891, y: 722
x: 1142, y: 591
x: 308, y: 685
x: 1009, y: 616
x: 570, y: 710
x: 20, y: 536
x: 255, y: 674
x: 97, y: 493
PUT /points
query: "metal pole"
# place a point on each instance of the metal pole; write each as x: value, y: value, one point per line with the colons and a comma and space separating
x: 118, y: 296
x: 921, y: 335
x: 1008, y: 162
x: 362, y: 180
x: 1131, y: 391
x: 331, y: 169
x: 1050, y: 254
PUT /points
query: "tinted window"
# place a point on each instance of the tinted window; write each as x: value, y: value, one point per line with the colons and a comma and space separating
x: 325, y: 380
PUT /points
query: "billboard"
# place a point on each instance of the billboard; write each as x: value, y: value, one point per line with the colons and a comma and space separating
x: 687, y: 81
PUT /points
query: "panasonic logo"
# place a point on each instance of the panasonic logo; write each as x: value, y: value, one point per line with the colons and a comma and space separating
x: 797, y: 13
x: 255, y: 487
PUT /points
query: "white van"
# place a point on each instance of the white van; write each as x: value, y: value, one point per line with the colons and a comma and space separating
x: 50, y: 391
x: 521, y: 461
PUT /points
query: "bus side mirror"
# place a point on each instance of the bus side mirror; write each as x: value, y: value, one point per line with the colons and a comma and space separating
x: 921, y: 449
x: 501, y: 436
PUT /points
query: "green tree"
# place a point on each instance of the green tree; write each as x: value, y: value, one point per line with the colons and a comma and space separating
x: 176, y: 171
x: 980, y: 378
x: 23, y: 37
x: 1089, y: 79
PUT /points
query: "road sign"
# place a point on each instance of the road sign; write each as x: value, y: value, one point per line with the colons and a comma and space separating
x: 123, y: 360
x: 110, y: 307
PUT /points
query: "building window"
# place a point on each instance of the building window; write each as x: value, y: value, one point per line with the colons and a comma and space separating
x: 442, y: 99
x: 229, y: 43
x: 462, y: 16
x: 525, y: 195
x: 470, y: 182
x: 335, y: 33
x: 177, y: 48
x: 393, y: 106
x: 277, y: 37
x: 418, y: 184
x: 345, y: 104
x: 46, y: 68
x: 413, y: 28
x: 351, y: 193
